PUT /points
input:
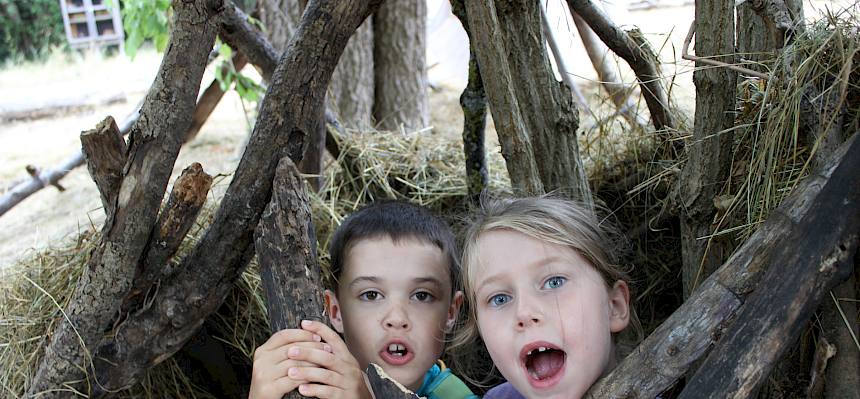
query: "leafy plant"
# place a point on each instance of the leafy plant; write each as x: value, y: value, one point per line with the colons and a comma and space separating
x: 143, y: 20
x: 227, y: 75
x: 28, y: 28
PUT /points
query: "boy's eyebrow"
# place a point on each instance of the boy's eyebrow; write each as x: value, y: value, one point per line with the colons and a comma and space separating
x: 430, y: 280
x: 361, y: 279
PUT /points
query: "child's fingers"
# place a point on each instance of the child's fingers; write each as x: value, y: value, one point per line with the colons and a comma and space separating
x: 284, y: 353
x: 316, y: 375
x: 321, y: 391
x: 288, y: 336
x: 328, y: 335
x: 319, y: 356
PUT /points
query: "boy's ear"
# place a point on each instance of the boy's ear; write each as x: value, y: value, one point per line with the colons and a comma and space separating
x: 332, y: 307
x: 454, y: 310
x: 619, y: 306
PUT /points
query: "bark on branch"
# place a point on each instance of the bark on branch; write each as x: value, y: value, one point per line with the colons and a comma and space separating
x: 641, y: 61
x: 154, y: 144
x: 690, y: 332
x: 290, y: 110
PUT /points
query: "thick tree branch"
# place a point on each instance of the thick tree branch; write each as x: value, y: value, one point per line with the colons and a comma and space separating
x: 154, y: 144
x: 690, y: 332
x: 641, y: 61
x: 290, y: 110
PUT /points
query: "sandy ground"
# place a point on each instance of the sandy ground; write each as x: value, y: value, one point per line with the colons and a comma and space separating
x: 50, y: 215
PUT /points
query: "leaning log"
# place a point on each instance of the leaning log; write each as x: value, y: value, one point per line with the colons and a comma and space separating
x: 815, y: 257
x: 667, y: 354
x: 290, y: 110
x: 153, y: 146
x: 286, y: 251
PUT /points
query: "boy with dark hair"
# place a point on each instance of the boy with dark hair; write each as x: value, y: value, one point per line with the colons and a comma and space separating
x: 393, y: 296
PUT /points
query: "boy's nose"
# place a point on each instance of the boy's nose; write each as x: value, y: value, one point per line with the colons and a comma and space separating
x: 397, y: 319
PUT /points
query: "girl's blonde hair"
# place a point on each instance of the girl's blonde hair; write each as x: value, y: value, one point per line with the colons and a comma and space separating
x: 547, y: 218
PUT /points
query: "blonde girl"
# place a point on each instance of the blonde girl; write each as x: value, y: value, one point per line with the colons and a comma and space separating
x: 545, y: 294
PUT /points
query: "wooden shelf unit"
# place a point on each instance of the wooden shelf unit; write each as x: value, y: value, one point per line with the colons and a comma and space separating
x: 91, y: 23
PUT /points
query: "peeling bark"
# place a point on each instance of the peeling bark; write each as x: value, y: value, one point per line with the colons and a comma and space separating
x: 104, y: 150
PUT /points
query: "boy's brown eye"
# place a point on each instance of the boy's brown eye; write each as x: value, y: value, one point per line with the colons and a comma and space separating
x: 369, y: 296
x: 423, y: 296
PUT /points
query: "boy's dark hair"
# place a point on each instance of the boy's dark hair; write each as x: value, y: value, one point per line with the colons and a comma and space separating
x: 397, y: 220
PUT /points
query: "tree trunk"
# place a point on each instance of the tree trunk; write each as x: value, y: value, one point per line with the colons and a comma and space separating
x: 153, y: 147
x: 203, y: 279
x: 668, y: 353
x: 281, y: 19
x: 535, y: 116
x: 399, y: 64
x: 353, y: 81
x: 710, y: 149
x: 811, y: 261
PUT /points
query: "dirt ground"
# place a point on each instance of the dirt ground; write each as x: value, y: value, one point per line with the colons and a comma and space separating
x: 50, y: 215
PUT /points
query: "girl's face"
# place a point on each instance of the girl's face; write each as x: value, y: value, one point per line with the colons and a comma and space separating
x: 545, y: 314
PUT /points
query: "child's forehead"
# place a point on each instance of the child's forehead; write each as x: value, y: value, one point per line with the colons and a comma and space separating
x: 409, y: 255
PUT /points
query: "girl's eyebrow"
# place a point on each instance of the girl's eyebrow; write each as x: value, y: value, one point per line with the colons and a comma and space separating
x: 543, y: 263
x: 428, y: 280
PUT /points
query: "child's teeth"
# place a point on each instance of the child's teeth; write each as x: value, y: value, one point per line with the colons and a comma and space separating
x: 541, y: 349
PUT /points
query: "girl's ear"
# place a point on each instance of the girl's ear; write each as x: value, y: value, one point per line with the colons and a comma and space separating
x: 454, y: 310
x: 332, y: 307
x: 619, y: 306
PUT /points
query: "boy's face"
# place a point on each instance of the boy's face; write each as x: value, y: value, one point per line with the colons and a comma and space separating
x: 545, y: 314
x: 393, y: 306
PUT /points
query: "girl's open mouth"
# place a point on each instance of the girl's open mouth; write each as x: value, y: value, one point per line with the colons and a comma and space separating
x: 544, y: 364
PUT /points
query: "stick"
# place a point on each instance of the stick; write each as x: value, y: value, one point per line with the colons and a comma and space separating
x: 686, y: 55
x: 104, y: 150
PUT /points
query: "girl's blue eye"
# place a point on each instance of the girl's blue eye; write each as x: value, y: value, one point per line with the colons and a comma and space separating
x: 423, y: 296
x: 369, y: 295
x: 499, y: 299
x: 554, y: 282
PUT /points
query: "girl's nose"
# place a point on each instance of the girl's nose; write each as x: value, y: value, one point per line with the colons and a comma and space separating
x: 528, y: 313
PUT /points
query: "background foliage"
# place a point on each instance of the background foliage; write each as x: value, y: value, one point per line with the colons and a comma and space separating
x: 29, y: 28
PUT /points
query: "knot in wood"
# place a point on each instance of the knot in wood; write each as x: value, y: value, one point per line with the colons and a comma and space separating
x: 672, y: 350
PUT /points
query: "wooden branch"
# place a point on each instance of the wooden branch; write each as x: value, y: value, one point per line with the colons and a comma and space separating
x: 559, y: 62
x: 153, y: 147
x: 689, y: 333
x: 817, y: 256
x: 28, y: 186
x: 175, y: 220
x: 286, y: 250
x: 203, y: 279
x: 104, y: 150
x: 211, y: 97
x: 473, y: 101
x: 385, y: 387
x: 600, y: 58
x: 707, y: 61
x: 639, y: 59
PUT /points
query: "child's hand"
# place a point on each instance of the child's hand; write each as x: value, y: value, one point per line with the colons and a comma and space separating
x: 269, y: 378
x: 337, y: 375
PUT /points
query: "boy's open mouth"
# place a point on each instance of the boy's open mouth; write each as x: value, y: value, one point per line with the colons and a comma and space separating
x: 544, y: 363
x: 396, y: 353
